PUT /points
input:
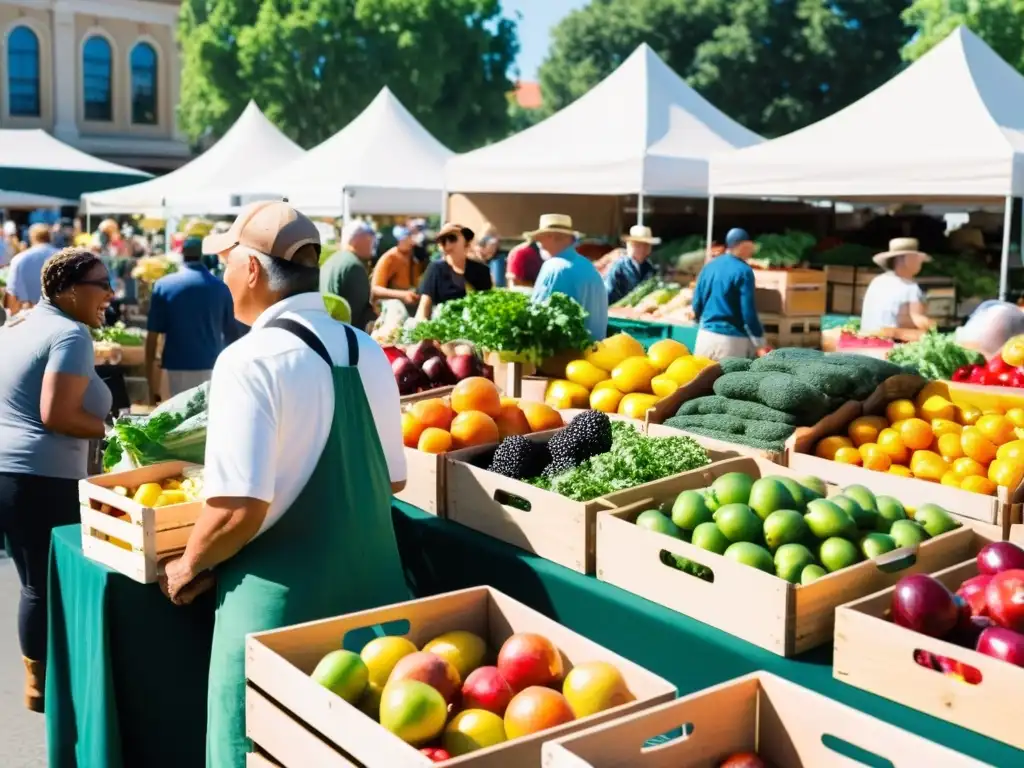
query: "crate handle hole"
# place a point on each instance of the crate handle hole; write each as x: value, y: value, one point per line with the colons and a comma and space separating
x: 666, y: 740
x: 895, y: 561
x: 853, y: 752
x: 355, y: 639
x: 507, y: 499
x: 683, y: 565
x: 944, y: 665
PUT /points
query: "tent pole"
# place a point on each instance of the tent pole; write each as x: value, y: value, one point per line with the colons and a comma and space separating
x: 444, y: 205
x: 711, y: 226
x: 640, y: 209
x: 344, y: 207
x: 1004, y: 264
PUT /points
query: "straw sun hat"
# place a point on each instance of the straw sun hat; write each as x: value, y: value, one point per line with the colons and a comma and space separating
x: 554, y: 223
x: 899, y: 246
x: 641, y: 234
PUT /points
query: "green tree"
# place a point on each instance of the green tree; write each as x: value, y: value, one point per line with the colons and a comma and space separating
x: 313, y: 65
x: 773, y: 65
x: 1000, y: 23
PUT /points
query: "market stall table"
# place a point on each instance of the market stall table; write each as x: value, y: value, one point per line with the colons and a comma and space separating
x: 127, y: 669
x: 647, y: 332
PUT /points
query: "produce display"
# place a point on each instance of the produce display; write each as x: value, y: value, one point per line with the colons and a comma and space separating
x: 934, y: 356
x: 617, y: 376
x: 932, y: 439
x: 508, y: 322
x: 447, y: 700
x: 1004, y: 370
x: 176, y: 430
x: 149, y: 269
x: 781, y: 251
x: 428, y: 365
x: 656, y: 299
x: 594, y: 456
x: 788, y: 528
x: 474, y: 413
x: 985, y: 614
x: 759, y: 403
x: 121, y: 334
x: 173, y: 490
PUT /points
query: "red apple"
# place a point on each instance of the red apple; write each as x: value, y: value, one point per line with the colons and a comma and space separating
x: 1005, y: 598
x: 421, y: 352
x: 430, y: 669
x: 973, y: 591
x: 1003, y: 644
x: 923, y: 603
x: 485, y: 688
x: 1000, y: 556
x: 966, y: 635
x: 527, y: 659
x: 743, y: 760
x: 393, y: 353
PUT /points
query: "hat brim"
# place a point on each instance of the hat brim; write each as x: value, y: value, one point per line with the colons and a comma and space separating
x: 552, y: 230
x: 218, y: 242
x: 648, y: 240
x: 882, y: 259
x: 467, y: 234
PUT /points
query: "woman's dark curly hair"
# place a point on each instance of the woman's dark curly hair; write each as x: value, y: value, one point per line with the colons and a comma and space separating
x: 66, y: 268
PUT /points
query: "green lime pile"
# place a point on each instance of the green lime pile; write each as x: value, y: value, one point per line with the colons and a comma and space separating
x: 788, y: 528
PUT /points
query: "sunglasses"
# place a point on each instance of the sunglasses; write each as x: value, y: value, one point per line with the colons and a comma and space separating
x: 446, y: 239
x: 103, y: 284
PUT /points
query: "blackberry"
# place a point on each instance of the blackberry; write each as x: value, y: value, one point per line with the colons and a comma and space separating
x: 595, y: 430
x: 568, y: 448
x: 557, y: 467
x: 518, y: 458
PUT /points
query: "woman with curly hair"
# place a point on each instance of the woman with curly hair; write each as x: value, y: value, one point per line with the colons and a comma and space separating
x: 51, y: 404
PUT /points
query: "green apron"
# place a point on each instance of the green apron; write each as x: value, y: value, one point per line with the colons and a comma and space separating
x: 333, y: 552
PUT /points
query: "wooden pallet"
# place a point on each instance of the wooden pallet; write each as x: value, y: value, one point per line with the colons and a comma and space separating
x: 782, y: 331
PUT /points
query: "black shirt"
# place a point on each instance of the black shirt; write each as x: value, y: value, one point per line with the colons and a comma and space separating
x: 441, y: 283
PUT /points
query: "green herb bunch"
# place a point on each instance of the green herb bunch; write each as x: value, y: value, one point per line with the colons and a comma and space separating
x: 935, y: 356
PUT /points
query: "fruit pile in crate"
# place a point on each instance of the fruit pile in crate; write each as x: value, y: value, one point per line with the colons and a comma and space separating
x: 428, y: 365
x: 1005, y: 369
x: 187, y: 486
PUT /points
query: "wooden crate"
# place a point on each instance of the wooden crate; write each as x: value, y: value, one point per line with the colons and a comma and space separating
x: 424, y: 478
x: 782, y: 331
x: 146, y: 535
x: 786, y: 619
x: 300, y: 724
x: 531, y: 518
x: 790, y: 292
x: 845, y: 288
x: 701, y: 386
x: 787, y: 725
x: 873, y: 654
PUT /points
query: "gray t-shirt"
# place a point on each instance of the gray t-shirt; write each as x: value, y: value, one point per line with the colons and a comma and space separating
x: 44, y: 340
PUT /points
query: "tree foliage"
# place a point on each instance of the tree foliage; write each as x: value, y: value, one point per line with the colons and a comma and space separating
x: 773, y: 65
x: 1000, y: 23
x: 313, y: 65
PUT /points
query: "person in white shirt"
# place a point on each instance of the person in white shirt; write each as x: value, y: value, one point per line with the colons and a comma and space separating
x: 304, y: 449
x: 893, y: 299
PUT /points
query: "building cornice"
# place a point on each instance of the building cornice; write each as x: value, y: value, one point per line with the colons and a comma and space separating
x: 139, y: 11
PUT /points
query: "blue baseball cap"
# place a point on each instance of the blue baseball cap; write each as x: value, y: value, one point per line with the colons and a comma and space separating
x: 400, y: 232
x: 735, y: 236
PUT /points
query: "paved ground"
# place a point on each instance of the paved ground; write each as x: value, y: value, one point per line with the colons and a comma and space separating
x: 22, y: 733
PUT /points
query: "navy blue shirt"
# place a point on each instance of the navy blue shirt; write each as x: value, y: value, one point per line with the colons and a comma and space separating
x: 193, y: 309
x: 723, y: 301
x: 625, y: 275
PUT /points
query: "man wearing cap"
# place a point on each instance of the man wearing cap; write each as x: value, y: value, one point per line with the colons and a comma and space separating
x: 894, y: 299
x: 566, y: 271
x: 524, y: 263
x: 398, y: 272
x: 304, y: 449
x: 628, y: 272
x: 723, y: 303
x: 192, y: 310
x: 347, y: 272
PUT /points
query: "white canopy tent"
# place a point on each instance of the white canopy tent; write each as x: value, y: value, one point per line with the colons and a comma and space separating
x: 642, y: 130
x: 383, y: 162
x: 250, y: 146
x: 950, y: 126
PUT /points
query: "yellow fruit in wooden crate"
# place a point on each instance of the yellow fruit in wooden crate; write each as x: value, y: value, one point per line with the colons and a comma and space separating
x: 684, y: 370
x: 977, y: 484
x: 635, y: 405
x: 167, y: 498
x: 936, y: 407
x: 900, y: 410
x: 942, y: 427
x: 1012, y: 450
x: 703, y: 362
x: 606, y: 384
x: 1006, y: 472
x: 120, y: 490
x: 585, y: 374
x: 968, y: 415
x: 865, y: 429
x: 606, y: 399
x: 827, y: 447
x: 662, y: 353
x: 996, y: 428
x: 608, y: 353
x: 171, y: 485
x: 147, y: 494
x: 634, y: 374
x: 663, y: 385
x: 1016, y: 417
x: 566, y: 394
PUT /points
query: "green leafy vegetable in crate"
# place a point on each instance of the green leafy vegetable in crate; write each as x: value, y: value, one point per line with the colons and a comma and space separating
x: 121, y: 334
x: 174, y: 431
x: 935, y: 356
x: 785, y: 250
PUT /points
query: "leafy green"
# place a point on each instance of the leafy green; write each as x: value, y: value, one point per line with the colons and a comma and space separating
x: 121, y: 334
x: 785, y: 250
x: 935, y: 356
x: 510, y: 322
x: 174, y: 431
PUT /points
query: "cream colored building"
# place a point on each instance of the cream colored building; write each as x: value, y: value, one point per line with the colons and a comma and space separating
x: 101, y: 75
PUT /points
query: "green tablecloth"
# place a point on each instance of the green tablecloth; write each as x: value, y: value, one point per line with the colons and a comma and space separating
x: 647, y: 332
x: 154, y: 693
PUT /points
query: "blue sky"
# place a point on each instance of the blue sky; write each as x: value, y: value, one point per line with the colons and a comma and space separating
x: 538, y: 17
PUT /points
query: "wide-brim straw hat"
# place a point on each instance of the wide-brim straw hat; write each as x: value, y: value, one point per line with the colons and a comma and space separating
x: 641, y: 234
x: 557, y: 223
x: 899, y: 246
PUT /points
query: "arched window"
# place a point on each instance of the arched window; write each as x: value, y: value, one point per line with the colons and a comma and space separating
x: 23, y: 73
x: 97, y: 73
x: 144, y: 88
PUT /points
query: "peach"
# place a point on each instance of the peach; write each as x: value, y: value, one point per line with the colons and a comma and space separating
x: 485, y: 688
x: 527, y: 659
x: 431, y: 669
x: 536, y: 709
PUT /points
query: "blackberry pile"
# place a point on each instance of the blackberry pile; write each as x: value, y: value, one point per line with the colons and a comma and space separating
x: 519, y: 458
x: 588, y: 434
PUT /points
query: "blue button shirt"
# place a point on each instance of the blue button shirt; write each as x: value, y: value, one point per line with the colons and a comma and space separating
x: 574, y: 275
x: 625, y: 275
x: 25, y: 278
x: 723, y: 300
x: 193, y: 309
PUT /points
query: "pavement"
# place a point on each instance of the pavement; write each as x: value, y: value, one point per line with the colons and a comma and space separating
x: 22, y: 733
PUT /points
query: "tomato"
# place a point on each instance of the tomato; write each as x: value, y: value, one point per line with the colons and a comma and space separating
x: 1005, y: 379
x: 963, y: 373
x: 1004, y: 597
x: 998, y: 365
x: 979, y: 375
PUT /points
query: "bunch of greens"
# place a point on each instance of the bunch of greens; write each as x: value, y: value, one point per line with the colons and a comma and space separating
x: 642, y: 290
x: 935, y: 356
x: 785, y: 250
x: 969, y: 275
x: 176, y: 431
x: 845, y: 255
x: 668, y: 254
x: 509, y: 322
x: 121, y: 334
x: 634, y: 459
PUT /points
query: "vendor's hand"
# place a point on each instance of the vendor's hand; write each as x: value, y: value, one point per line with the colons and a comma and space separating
x: 177, y: 581
x: 410, y: 297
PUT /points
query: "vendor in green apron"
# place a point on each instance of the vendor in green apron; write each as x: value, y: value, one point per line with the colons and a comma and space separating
x: 304, y: 449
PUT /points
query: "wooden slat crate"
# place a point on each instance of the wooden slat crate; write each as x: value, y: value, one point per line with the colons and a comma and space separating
x: 130, y: 538
x: 846, y: 286
x: 781, y: 331
x: 424, y: 479
x: 301, y: 724
x: 790, y: 292
x: 784, y: 723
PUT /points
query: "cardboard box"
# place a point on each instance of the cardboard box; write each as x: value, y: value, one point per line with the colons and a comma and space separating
x: 301, y: 724
x: 126, y: 536
x: 785, y: 724
x: 873, y: 654
x: 790, y: 292
x: 786, y: 619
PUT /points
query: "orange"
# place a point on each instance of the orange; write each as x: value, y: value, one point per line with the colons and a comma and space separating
x: 966, y: 467
x: 1011, y: 450
x: 927, y: 465
x: 411, y: 430
x: 473, y: 428
x: 512, y: 421
x: 434, y: 412
x: 976, y: 446
x: 945, y: 427
x: 1006, y: 472
x: 993, y: 410
x: 477, y: 394
x: 898, y: 425
x: 998, y: 429
x: 509, y: 400
x: 889, y: 440
x: 968, y: 415
x: 877, y: 460
x: 900, y: 471
x: 828, y: 446
x: 936, y: 407
x: 950, y: 479
x: 848, y: 455
x: 977, y: 484
x: 949, y: 447
x: 916, y: 434
x: 898, y: 410
x: 1016, y: 416
x: 540, y: 416
x: 434, y: 440
x: 865, y: 429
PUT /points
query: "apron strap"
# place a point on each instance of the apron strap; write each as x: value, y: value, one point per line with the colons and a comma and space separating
x: 313, y: 341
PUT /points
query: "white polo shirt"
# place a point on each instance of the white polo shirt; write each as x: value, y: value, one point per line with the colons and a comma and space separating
x: 272, y: 402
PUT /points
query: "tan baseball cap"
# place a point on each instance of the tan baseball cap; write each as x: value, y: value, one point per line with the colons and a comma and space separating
x: 271, y: 227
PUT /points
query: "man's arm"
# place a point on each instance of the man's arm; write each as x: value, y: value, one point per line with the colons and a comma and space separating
x: 156, y: 324
x: 749, y: 309
x: 699, y: 297
x: 919, y: 316
x: 382, y: 275
x: 226, y: 524
x: 68, y: 367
